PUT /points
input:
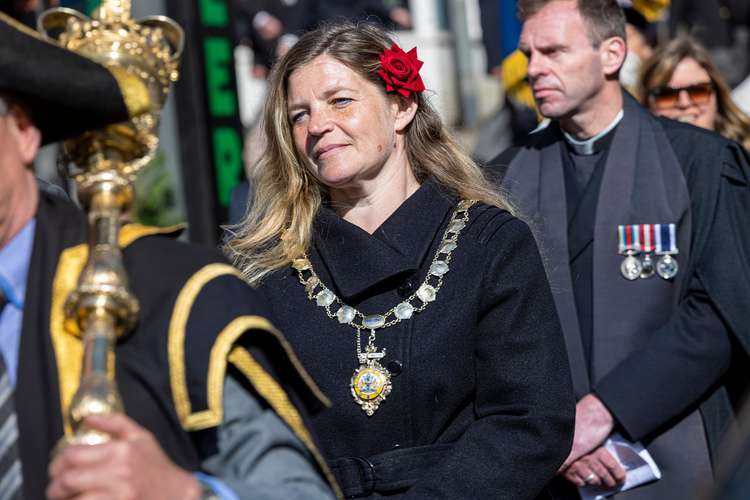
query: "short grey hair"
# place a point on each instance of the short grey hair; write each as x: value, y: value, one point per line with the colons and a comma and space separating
x: 4, y: 108
x: 604, y: 18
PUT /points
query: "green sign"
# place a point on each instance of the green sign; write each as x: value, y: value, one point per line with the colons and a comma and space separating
x: 221, y: 91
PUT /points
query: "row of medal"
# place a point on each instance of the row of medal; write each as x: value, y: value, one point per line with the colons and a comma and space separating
x: 640, y: 243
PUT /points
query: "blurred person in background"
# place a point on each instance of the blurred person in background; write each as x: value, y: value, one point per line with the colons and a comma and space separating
x: 640, y: 30
x: 681, y: 82
x: 722, y: 27
x: 271, y: 27
x: 516, y: 116
x: 22, y: 10
x: 393, y: 14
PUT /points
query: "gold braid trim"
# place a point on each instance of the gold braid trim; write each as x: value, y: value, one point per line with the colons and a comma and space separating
x: 277, y: 398
x: 176, y: 353
x: 217, y: 362
x: 221, y: 352
x: 66, y: 342
x: 131, y: 232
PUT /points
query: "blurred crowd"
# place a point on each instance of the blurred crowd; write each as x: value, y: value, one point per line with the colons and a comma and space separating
x: 271, y: 27
x: 27, y: 10
x: 687, y: 59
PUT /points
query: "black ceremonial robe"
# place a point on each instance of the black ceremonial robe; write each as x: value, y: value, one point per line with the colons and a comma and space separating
x: 660, y: 349
x: 481, y: 405
x: 197, y: 321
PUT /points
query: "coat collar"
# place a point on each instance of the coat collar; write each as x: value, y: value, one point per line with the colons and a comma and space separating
x: 357, y: 261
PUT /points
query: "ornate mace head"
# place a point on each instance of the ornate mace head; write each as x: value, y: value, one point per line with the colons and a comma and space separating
x: 143, y: 56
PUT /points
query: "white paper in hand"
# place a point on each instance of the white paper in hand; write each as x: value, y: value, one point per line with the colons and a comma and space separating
x: 637, y: 462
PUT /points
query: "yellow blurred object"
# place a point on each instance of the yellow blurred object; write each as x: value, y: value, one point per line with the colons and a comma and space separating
x: 652, y: 10
x: 515, y: 84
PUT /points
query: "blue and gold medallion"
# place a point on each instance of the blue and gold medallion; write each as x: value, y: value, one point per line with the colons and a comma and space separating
x: 371, y: 383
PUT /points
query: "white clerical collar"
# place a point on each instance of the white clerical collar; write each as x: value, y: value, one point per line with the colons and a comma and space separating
x: 587, y: 147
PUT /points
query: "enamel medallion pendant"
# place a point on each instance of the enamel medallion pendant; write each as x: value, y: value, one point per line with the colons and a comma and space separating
x: 371, y: 384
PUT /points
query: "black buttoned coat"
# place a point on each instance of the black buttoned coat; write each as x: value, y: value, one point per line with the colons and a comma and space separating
x: 482, y: 404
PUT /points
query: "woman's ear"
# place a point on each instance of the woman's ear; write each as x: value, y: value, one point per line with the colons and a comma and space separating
x: 407, y: 108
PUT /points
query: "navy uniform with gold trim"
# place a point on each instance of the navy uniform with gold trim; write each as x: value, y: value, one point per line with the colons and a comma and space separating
x: 204, y: 370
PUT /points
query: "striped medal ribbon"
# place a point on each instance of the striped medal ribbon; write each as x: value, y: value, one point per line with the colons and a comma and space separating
x: 630, y: 245
x: 647, y: 247
x: 665, y: 236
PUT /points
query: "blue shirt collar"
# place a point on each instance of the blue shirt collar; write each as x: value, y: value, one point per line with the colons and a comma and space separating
x: 15, y: 258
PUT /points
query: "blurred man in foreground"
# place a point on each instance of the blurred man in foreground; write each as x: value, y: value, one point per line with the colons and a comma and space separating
x: 203, y: 376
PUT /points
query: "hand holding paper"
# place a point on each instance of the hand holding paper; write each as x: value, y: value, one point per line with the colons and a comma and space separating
x: 637, y: 462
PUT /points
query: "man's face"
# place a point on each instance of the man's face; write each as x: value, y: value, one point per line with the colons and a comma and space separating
x: 9, y: 152
x: 565, y: 69
x: 18, y: 145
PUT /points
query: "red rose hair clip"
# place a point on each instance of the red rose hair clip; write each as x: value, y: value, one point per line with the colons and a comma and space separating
x: 400, y: 71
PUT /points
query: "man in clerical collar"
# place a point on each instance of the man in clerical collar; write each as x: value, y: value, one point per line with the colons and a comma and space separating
x: 187, y: 434
x: 640, y: 222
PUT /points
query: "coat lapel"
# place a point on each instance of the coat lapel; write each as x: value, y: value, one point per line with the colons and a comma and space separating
x: 357, y: 263
x: 535, y: 179
x: 40, y: 423
x: 643, y: 183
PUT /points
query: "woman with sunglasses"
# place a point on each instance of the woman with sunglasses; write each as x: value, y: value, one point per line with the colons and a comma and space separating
x: 681, y: 82
x: 417, y: 301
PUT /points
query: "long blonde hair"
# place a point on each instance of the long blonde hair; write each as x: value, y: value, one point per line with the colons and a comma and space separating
x: 278, y: 226
x: 731, y: 122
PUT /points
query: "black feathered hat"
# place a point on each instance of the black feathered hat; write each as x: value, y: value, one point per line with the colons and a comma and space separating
x: 65, y: 93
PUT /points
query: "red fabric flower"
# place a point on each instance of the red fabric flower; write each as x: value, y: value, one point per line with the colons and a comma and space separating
x: 400, y: 71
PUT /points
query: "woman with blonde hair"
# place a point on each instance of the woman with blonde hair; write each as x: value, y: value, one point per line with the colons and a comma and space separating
x: 414, y: 297
x: 681, y: 82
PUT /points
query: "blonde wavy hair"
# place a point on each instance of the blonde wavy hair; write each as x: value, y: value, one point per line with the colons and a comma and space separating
x: 278, y: 226
x: 731, y: 122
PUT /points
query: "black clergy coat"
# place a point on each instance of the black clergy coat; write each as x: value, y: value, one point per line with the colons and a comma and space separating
x: 661, y: 350
x: 196, y: 316
x: 481, y: 405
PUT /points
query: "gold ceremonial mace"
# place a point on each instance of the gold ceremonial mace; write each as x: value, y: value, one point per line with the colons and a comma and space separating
x: 143, y: 56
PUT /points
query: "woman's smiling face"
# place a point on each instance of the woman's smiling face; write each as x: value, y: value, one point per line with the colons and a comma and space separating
x: 344, y: 126
x: 686, y: 108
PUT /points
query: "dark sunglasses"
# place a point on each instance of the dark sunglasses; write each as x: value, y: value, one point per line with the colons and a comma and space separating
x: 668, y: 97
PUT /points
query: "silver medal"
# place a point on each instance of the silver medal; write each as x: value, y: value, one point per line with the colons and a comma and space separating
x: 647, y: 269
x: 631, y: 268
x: 667, y: 267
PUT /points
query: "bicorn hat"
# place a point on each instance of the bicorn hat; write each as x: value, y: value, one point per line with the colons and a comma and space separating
x: 65, y: 93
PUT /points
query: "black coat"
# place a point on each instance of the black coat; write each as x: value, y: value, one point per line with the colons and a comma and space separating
x: 482, y: 405
x: 698, y: 356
